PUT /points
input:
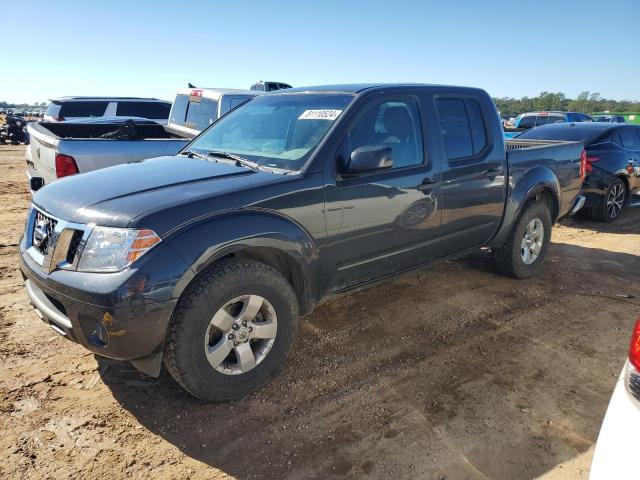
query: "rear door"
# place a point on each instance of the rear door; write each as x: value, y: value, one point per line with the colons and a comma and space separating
x: 473, y: 172
x: 388, y: 220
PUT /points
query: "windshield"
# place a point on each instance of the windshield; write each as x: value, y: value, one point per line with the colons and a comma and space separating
x: 278, y: 131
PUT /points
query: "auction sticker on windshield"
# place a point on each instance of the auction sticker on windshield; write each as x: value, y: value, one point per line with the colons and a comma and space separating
x: 319, y: 114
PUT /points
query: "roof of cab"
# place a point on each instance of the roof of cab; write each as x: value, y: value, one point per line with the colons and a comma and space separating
x: 216, y: 93
x: 359, y: 87
x: 112, y: 99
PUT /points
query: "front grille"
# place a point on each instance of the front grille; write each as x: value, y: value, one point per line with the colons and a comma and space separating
x: 55, y: 243
x: 43, y: 228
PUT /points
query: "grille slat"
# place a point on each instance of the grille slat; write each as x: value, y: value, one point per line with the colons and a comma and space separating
x: 43, y: 229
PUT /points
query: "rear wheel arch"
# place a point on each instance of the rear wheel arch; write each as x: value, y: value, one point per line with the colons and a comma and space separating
x: 549, y: 197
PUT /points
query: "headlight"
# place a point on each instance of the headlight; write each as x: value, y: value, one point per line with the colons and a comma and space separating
x: 113, y: 249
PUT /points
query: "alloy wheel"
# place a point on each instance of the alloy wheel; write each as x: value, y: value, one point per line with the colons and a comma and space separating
x: 532, y: 240
x: 241, y: 334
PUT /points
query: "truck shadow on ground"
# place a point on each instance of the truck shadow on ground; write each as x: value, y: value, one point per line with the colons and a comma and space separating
x: 440, y: 373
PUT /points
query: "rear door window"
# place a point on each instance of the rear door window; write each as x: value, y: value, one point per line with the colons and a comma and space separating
x: 83, y: 109
x: 462, y: 126
x: 143, y: 109
x: 628, y: 140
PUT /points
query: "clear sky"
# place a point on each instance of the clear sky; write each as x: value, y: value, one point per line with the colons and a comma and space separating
x: 151, y: 48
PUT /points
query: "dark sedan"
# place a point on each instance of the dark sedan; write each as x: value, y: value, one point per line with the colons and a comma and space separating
x: 613, y: 163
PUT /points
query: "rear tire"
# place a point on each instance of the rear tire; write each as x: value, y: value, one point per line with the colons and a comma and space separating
x: 526, y: 248
x: 613, y: 202
x: 231, y: 330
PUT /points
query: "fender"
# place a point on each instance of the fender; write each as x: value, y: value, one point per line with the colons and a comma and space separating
x: 527, y: 186
x: 204, y: 243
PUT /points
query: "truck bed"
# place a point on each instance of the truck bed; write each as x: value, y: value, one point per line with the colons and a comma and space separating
x: 95, y: 145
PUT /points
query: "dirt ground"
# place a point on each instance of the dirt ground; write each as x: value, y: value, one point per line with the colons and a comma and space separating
x: 451, y: 372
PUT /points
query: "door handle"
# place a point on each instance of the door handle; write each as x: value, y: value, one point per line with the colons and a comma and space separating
x: 426, y: 184
x: 492, y: 171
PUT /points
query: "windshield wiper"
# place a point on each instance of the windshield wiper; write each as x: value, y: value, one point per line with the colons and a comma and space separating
x: 240, y: 161
x: 192, y: 154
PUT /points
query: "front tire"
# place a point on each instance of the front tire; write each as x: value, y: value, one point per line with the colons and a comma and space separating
x: 613, y: 202
x: 525, y: 250
x: 231, y: 330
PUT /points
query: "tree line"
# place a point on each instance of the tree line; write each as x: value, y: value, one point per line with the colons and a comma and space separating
x: 39, y: 105
x: 586, y: 102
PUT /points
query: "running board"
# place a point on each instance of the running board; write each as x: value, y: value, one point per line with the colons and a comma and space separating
x: 635, y: 203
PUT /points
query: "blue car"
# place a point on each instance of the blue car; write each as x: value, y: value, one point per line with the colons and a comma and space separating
x: 529, y: 120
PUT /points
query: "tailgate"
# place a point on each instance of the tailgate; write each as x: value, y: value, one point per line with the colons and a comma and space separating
x: 41, y: 153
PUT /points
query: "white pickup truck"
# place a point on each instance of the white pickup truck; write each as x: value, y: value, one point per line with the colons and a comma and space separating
x: 60, y: 149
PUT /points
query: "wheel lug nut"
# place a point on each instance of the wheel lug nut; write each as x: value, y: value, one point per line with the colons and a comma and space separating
x: 244, y: 323
x: 235, y: 344
x: 235, y: 326
x: 231, y: 336
x: 251, y: 329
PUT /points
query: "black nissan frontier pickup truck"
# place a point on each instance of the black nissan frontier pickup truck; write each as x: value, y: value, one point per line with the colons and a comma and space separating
x: 205, y: 260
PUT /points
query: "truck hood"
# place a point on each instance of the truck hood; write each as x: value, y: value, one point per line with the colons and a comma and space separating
x: 115, y: 196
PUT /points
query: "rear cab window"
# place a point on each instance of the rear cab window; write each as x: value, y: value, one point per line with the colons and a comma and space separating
x: 463, y: 127
x: 193, y: 111
x: 527, y: 122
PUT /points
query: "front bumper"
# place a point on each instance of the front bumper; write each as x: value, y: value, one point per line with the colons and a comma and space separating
x: 121, y: 315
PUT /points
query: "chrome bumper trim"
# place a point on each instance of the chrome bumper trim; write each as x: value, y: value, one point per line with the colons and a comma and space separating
x: 45, y: 309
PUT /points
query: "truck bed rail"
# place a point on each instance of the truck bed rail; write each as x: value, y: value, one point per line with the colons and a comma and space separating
x: 515, y: 144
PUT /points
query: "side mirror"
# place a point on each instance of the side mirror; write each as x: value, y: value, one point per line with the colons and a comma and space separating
x: 370, y: 158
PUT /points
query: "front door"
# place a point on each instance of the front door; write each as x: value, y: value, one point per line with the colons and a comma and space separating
x: 383, y: 221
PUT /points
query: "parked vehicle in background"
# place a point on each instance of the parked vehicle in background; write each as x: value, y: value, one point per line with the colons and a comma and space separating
x: 617, y: 445
x: 13, y: 130
x: 206, y: 259
x: 194, y: 109
x: 262, y: 86
x: 613, y: 163
x: 530, y: 120
x: 77, y: 108
x: 61, y: 149
x: 609, y: 119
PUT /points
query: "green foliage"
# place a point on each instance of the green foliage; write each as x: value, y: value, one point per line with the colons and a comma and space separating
x: 23, y: 106
x: 586, y: 102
